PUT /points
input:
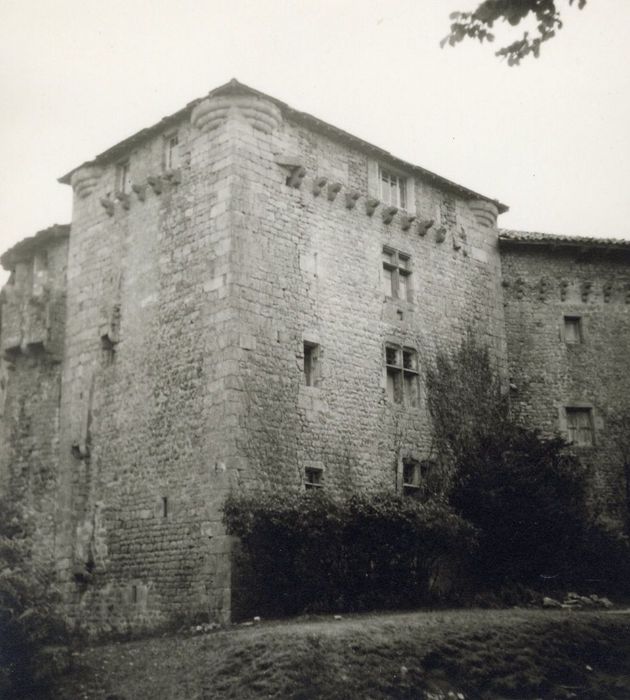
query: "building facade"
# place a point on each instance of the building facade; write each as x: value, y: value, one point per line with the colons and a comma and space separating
x: 247, y: 298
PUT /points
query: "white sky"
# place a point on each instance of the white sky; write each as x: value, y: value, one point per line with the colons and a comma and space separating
x: 550, y: 138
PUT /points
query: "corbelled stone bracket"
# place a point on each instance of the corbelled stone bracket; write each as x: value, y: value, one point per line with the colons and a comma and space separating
x: 564, y: 288
x: 520, y: 288
x: 388, y: 214
x: 351, y: 199
x: 333, y: 190
x: 370, y: 205
x: 124, y: 199
x: 406, y: 220
x: 140, y: 191
x: 295, y: 178
x: 173, y: 176
x: 440, y: 235
x: 607, y: 291
x: 586, y: 289
x: 543, y: 288
x: 108, y: 205
x: 318, y: 184
x: 155, y: 183
x: 424, y: 225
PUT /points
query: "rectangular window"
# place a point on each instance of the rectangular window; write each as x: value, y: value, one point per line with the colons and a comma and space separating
x: 171, y: 154
x: 311, y: 364
x: 313, y: 478
x: 396, y: 274
x: 572, y: 330
x: 123, y: 178
x: 401, y: 367
x: 393, y: 189
x: 580, y: 426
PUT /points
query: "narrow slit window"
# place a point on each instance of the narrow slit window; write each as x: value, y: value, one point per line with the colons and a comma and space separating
x: 311, y: 364
x: 171, y: 145
x: 164, y: 507
x: 123, y: 178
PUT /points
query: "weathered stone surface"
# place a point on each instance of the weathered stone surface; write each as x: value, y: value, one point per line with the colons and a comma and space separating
x: 175, y: 326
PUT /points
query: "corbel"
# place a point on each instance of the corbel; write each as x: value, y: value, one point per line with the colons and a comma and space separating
x: 370, y: 205
x: 608, y: 289
x: 406, y: 220
x: 564, y: 288
x: 297, y: 173
x: 424, y: 225
x: 155, y: 183
x: 108, y: 205
x: 586, y: 289
x: 388, y: 214
x: 123, y: 198
x: 456, y: 244
x: 543, y: 285
x: 440, y: 235
x: 520, y: 288
x: 174, y: 176
x: 351, y: 199
x: 80, y: 450
x: 332, y: 190
x: 318, y: 185
x: 141, y: 191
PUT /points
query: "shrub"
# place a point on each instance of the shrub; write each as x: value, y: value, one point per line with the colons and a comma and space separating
x: 525, y: 493
x: 313, y: 551
x: 28, y: 621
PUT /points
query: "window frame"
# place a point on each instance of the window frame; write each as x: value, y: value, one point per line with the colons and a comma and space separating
x: 311, y: 370
x: 403, y: 375
x: 399, y: 267
x: 171, y: 154
x: 123, y: 176
x: 573, y: 429
x: 401, y: 187
x: 575, y: 322
x: 313, y: 483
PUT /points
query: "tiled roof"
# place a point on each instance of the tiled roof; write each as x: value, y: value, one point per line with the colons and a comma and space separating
x: 552, y: 239
x: 236, y: 87
x: 24, y: 249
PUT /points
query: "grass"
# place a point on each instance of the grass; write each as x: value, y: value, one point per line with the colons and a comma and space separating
x: 514, y: 653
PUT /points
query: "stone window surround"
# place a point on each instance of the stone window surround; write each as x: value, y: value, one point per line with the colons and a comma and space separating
x: 595, y: 421
x: 401, y: 375
x: 399, y: 265
x: 564, y: 336
x: 374, y: 183
x: 313, y: 476
x: 171, y: 150
x: 123, y: 176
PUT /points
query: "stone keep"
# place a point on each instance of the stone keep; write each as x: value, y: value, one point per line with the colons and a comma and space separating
x: 246, y: 299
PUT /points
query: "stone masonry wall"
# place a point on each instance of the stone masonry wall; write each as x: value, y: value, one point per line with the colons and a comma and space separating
x: 542, y: 286
x: 32, y: 312
x: 147, y: 432
x: 309, y: 248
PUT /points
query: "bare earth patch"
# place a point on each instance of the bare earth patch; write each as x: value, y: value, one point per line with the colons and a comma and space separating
x: 466, y: 654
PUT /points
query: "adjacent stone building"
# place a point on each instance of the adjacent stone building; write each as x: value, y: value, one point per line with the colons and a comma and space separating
x: 246, y: 299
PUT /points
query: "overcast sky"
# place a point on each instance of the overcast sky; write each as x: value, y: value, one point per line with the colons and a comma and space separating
x: 550, y: 138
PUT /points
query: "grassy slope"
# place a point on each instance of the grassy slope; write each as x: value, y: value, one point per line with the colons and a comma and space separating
x: 482, y: 654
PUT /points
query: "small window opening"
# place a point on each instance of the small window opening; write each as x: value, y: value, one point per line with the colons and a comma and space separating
x: 123, y: 178
x: 313, y: 477
x: 573, y: 330
x: 171, y: 144
x: 164, y: 507
x: 134, y: 593
x: 393, y: 189
x: 311, y: 364
x: 580, y: 426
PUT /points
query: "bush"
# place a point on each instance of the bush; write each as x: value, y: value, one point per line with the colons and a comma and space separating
x: 312, y: 551
x: 28, y: 621
x: 526, y: 494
